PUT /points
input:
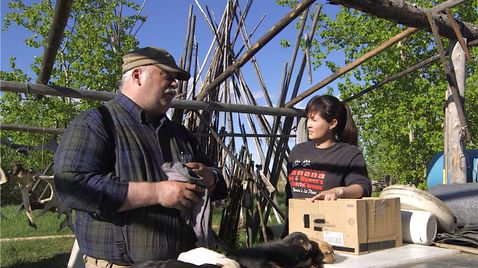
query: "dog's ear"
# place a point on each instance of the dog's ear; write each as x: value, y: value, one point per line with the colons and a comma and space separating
x: 296, y: 238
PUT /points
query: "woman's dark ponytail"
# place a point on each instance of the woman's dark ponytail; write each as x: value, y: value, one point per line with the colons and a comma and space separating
x: 349, y: 133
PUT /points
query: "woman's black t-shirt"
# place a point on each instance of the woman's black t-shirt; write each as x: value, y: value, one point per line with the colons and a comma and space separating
x: 312, y: 170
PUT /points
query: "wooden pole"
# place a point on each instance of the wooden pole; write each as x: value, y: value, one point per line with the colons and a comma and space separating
x: 297, y: 44
x: 275, y: 127
x: 256, y: 47
x: 230, y: 153
x: 401, y: 74
x: 454, y: 157
x: 246, y: 39
x: 458, y: 34
x: 60, y: 18
x: 393, y: 77
x: 183, y: 104
x: 352, y: 65
x: 186, y: 64
x: 263, y: 124
x: 411, y: 15
x: 450, y: 76
x: 45, y: 130
x: 457, y: 247
x: 51, y: 130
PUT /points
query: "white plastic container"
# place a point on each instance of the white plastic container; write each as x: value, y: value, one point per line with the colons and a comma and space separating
x: 412, y: 198
x: 418, y: 227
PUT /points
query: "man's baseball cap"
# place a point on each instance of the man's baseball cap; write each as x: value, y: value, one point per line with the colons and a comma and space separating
x: 153, y: 56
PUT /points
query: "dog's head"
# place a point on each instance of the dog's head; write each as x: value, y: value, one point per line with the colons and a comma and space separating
x: 322, y: 251
x: 298, y: 238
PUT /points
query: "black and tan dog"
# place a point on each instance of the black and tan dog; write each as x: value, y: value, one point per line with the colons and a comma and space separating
x: 294, y: 251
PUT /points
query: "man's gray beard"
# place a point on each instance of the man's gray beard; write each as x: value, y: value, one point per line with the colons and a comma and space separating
x: 170, y: 90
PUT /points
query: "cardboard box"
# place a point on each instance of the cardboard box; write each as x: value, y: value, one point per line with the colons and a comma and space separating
x: 352, y: 226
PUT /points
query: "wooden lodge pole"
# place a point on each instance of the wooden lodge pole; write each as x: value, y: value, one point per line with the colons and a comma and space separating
x: 59, y: 21
x: 27, y: 88
x: 256, y: 47
x: 454, y: 157
x: 352, y: 65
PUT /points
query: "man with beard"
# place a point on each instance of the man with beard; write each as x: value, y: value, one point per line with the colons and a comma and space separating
x: 108, y: 168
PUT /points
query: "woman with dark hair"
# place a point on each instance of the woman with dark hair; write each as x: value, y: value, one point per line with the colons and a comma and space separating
x: 330, y: 165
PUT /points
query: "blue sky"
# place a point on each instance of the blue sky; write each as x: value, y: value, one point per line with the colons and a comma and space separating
x: 166, y: 27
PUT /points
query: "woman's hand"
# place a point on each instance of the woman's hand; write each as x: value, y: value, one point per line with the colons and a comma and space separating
x: 332, y: 194
x: 351, y: 191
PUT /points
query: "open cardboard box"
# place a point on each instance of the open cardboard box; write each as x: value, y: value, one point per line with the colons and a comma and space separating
x: 353, y: 226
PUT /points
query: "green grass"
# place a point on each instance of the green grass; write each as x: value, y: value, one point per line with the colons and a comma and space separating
x: 51, y: 252
x: 55, y: 251
x: 15, y: 223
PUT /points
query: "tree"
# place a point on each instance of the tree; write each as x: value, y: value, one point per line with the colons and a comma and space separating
x: 400, y: 123
x: 96, y: 36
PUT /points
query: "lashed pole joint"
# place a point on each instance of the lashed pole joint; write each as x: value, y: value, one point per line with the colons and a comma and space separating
x: 458, y: 34
x: 450, y: 77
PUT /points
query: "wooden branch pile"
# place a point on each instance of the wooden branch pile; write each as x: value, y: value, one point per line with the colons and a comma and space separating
x: 225, y: 83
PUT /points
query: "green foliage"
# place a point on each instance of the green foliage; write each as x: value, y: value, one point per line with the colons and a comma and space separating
x: 98, y: 33
x: 284, y: 43
x: 471, y: 96
x: 290, y: 3
x: 400, y: 123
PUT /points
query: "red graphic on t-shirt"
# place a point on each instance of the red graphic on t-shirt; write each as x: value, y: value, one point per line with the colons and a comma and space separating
x: 306, y: 181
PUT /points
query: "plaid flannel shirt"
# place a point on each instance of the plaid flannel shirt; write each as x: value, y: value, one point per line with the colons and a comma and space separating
x: 92, y: 175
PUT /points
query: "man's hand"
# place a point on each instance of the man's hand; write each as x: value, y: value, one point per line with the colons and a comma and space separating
x: 175, y: 194
x: 171, y: 194
x: 205, y: 172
